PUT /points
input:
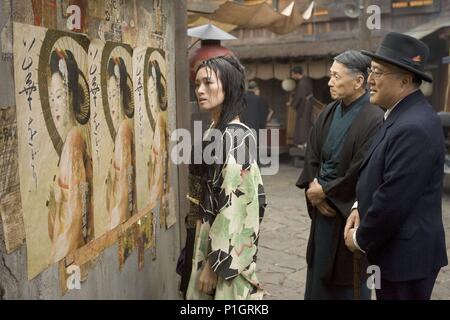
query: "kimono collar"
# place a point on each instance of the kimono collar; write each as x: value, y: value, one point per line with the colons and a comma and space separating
x: 363, y: 99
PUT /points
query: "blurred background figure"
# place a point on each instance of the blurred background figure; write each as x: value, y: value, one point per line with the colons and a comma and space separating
x: 256, y: 113
x: 301, y: 102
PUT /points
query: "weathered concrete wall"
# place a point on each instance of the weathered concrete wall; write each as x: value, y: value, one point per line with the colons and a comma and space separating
x: 158, y: 279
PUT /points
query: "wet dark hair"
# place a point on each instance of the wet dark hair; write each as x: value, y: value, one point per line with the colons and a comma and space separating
x: 161, y: 90
x: 123, y: 85
x: 355, y: 61
x: 73, y: 73
x: 232, y: 76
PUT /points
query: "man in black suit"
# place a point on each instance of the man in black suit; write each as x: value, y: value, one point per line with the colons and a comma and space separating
x: 397, y: 220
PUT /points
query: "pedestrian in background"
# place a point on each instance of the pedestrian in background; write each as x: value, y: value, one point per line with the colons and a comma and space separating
x: 302, y: 103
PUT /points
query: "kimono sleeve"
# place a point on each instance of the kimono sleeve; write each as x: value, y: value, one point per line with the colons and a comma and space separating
x: 234, y: 232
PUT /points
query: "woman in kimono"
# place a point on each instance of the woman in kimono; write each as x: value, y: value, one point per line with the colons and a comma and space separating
x: 70, y: 223
x: 232, y: 200
x: 120, y: 179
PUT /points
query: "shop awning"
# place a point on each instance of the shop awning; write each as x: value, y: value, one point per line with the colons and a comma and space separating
x: 253, y: 15
x: 296, y: 47
x: 272, y: 70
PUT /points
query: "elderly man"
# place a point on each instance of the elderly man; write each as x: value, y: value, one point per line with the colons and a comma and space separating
x: 400, y: 184
x: 336, y: 147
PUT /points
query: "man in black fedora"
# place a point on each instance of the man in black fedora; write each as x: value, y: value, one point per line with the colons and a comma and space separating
x: 397, y: 220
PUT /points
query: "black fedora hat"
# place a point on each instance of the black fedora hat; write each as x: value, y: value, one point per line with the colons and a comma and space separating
x: 403, y: 51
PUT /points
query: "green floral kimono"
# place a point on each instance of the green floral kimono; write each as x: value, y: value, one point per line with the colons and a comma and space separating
x: 232, y: 207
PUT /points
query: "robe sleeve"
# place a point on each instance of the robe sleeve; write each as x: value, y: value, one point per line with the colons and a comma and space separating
x: 298, y: 98
x: 304, y: 89
x: 312, y: 155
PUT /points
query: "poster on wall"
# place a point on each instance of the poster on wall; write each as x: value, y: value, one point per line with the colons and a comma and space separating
x: 54, y: 142
x: 112, y: 105
x: 150, y: 95
x: 10, y: 205
x: 127, y: 242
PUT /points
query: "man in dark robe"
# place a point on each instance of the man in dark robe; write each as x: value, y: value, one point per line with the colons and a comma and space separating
x: 256, y: 111
x: 336, y: 147
x: 302, y: 103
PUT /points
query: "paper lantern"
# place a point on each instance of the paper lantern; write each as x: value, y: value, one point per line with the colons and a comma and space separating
x: 288, y: 84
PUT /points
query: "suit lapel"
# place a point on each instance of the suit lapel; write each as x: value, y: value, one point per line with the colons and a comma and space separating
x: 376, y: 141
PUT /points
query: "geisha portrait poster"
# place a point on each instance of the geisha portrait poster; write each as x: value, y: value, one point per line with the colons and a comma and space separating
x: 55, y: 159
x: 151, y: 131
x: 111, y: 90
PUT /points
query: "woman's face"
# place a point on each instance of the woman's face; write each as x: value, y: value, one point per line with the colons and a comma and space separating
x: 208, y: 89
x: 114, y: 100
x: 59, y: 102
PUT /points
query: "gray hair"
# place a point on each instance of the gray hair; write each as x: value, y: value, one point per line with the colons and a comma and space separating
x: 355, y: 61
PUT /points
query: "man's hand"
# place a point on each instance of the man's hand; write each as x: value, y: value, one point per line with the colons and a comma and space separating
x: 208, y: 279
x: 315, y: 193
x: 349, y: 240
x: 325, y: 209
x: 352, y: 222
